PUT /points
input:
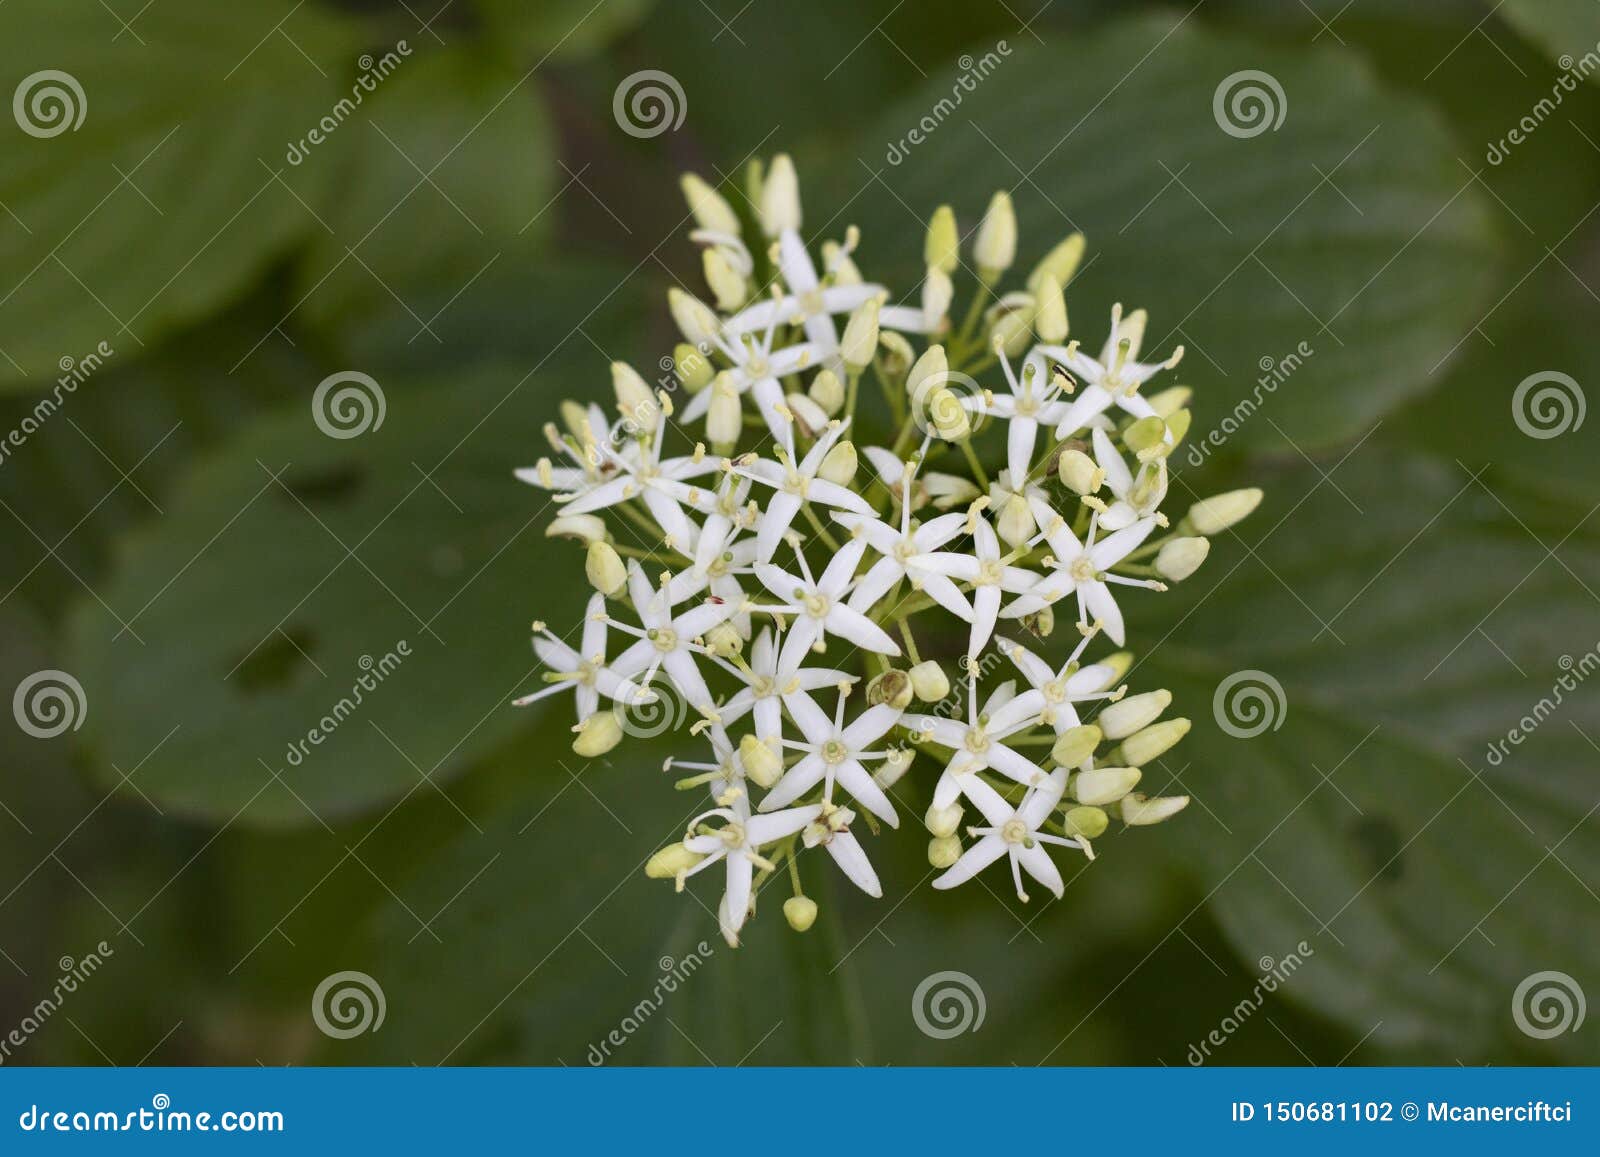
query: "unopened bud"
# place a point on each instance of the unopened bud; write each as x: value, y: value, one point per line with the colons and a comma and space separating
x: 1011, y: 323
x: 860, y: 339
x: 693, y: 368
x: 1104, y: 785
x: 1123, y: 718
x: 895, y: 354
x: 1079, y: 472
x: 669, y: 861
x: 941, y: 249
x: 1042, y: 623
x: 1141, y: 811
x: 727, y: 283
x: 1050, y: 321
x: 1116, y: 665
x: 1215, y: 514
x: 725, y: 416
x: 1060, y: 263
x: 893, y: 687
x: 1076, y: 744
x: 895, y: 764
x: 597, y: 734
x: 1016, y: 523
x: 1154, y: 741
x: 695, y: 319
x: 780, y: 197
x: 1170, y: 400
x: 948, y: 416
x: 762, y: 765
x: 1178, y: 425
x: 839, y: 467
x: 929, y: 681
x: 810, y: 417
x: 996, y: 245
x: 723, y: 639
x: 944, y: 851
x: 938, y: 291
x: 827, y: 391
x: 1179, y: 558
x: 800, y: 911
x: 604, y: 569
x: 1145, y: 434
x: 584, y: 527
x: 634, y: 397
x: 944, y: 821
x: 710, y: 209
x: 1088, y: 822
x: 932, y: 368
x: 948, y: 491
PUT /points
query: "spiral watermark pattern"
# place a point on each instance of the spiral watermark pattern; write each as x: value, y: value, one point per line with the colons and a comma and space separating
x: 348, y: 404
x: 348, y: 1004
x: 1249, y: 703
x: 1248, y: 103
x: 49, y: 103
x: 648, y: 103
x: 943, y: 402
x: 1547, y: 1004
x: 1548, y: 404
x: 647, y: 718
x: 947, y: 1004
x: 49, y: 703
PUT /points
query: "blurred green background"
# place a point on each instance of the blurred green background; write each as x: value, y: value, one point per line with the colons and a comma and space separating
x: 481, y: 236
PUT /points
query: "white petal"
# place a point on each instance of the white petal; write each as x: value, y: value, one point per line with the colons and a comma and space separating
x: 851, y: 624
x: 865, y: 790
x: 974, y: 860
x: 847, y: 852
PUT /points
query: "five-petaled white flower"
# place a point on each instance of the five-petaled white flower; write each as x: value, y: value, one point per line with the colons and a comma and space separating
x: 767, y: 682
x: 1065, y: 687
x: 584, y: 670
x: 979, y: 743
x: 794, y: 485
x: 738, y: 842
x: 1114, y: 379
x: 1014, y: 832
x: 1083, y: 567
x: 668, y: 641
x: 988, y: 573
x: 834, y: 753
x: 819, y: 606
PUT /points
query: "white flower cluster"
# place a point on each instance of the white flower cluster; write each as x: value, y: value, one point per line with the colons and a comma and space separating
x: 762, y: 548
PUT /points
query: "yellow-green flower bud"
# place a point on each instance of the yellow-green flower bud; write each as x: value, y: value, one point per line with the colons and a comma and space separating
x: 693, y: 368
x: 727, y: 283
x: 780, y: 197
x: 839, y: 467
x: 1129, y: 715
x: 942, y: 248
x: 597, y: 734
x: 996, y: 245
x: 929, y: 681
x: 1060, y: 263
x: 634, y: 397
x: 860, y: 339
x: 1178, y: 425
x: 1076, y: 744
x: 948, y: 416
x: 1104, y: 785
x: 725, y: 416
x: 1141, y: 811
x: 583, y: 527
x: 944, y: 851
x: 930, y: 370
x: 1179, y: 558
x: 694, y: 318
x: 1088, y: 822
x: 1011, y: 323
x: 1117, y: 663
x: 948, y: 491
x: 1145, y: 434
x: 896, y: 355
x: 1015, y: 525
x: 827, y: 391
x: 762, y: 765
x: 895, y: 764
x: 1170, y: 400
x: 723, y: 639
x: 1079, y: 473
x: 944, y: 821
x: 604, y: 569
x: 669, y: 861
x: 1154, y: 741
x: 800, y: 911
x: 710, y: 209
x: 1050, y: 320
x: 1215, y: 514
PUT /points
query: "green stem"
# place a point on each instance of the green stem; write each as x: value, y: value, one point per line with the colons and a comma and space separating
x: 822, y: 531
x: 911, y: 644
x: 977, y: 467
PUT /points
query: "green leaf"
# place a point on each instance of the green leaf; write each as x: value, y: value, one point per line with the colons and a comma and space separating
x: 439, y: 176
x: 162, y: 204
x: 285, y: 560
x: 1350, y: 227
x: 1386, y: 818
x: 560, y: 28
x: 1568, y: 30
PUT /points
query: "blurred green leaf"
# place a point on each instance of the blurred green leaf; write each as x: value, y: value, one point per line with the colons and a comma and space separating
x: 288, y: 558
x: 162, y: 204
x: 1411, y: 615
x: 1349, y: 227
x: 445, y: 172
x: 1568, y: 30
x: 563, y: 28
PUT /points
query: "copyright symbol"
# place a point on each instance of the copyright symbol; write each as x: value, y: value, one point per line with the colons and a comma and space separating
x: 1409, y: 1110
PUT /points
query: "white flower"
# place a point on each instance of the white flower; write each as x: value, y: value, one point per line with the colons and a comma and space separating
x: 644, y: 474
x: 988, y: 573
x: 1032, y: 401
x: 907, y: 553
x: 831, y: 830
x: 979, y: 743
x: 738, y: 843
x: 1113, y: 379
x: 668, y: 641
x: 756, y: 370
x: 834, y: 754
x: 819, y: 606
x: 1137, y: 495
x: 1014, y: 832
x: 1064, y: 687
x: 809, y: 301
x: 795, y: 486
x: 1082, y: 567
x: 766, y: 685
x: 727, y: 773
x: 584, y: 670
